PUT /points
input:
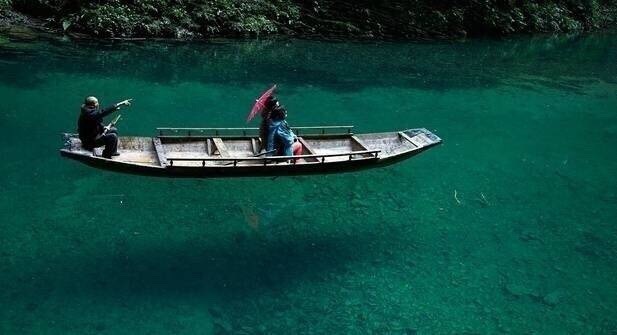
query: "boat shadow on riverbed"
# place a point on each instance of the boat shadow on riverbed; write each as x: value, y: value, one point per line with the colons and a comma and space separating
x: 237, y: 269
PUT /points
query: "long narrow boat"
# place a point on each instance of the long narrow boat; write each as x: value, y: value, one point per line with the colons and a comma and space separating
x: 227, y: 152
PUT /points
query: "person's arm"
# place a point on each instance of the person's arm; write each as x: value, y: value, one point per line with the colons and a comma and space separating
x: 106, y: 111
x: 293, y: 135
x: 288, y: 138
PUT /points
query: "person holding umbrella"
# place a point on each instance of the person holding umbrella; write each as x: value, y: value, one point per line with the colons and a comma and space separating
x: 274, y: 133
x: 280, y: 140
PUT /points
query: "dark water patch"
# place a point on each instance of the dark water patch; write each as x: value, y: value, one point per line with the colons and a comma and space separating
x: 344, y: 67
x: 597, y: 248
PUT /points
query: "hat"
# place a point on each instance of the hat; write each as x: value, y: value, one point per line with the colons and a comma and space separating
x: 91, y: 101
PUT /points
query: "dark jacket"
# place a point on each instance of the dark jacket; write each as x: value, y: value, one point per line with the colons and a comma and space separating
x: 90, y: 123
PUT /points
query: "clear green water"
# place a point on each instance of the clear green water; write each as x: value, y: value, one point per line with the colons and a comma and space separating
x: 529, y: 128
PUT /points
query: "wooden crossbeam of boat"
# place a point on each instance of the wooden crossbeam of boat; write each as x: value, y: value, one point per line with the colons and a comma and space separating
x: 220, y: 147
x: 323, y: 130
x: 359, y: 142
x: 306, y: 146
x: 209, y: 146
x: 254, y: 146
x: 406, y: 137
x: 160, y: 151
x: 374, y: 154
x: 205, y: 132
x: 243, y: 132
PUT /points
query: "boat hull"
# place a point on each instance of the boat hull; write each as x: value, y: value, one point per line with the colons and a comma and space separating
x: 176, y: 157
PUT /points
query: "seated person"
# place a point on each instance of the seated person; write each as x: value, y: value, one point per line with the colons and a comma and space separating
x: 92, y: 132
x: 280, y: 139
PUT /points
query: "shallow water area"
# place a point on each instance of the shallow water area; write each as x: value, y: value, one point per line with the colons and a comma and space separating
x: 507, y: 227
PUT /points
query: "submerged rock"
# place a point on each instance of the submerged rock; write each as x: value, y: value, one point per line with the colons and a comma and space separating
x: 222, y: 328
x: 515, y: 290
x: 518, y: 290
x: 528, y: 236
x: 553, y: 298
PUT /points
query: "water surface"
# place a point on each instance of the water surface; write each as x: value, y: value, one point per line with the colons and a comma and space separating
x: 508, y: 227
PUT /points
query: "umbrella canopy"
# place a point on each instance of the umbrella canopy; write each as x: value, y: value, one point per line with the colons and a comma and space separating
x: 260, y: 103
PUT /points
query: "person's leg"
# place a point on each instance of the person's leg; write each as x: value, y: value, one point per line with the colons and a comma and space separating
x: 114, y: 130
x: 89, y: 145
x: 297, y: 148
x: 111, y: 145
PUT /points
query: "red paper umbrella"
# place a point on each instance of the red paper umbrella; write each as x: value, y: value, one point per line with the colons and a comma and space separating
x: 260, y: 103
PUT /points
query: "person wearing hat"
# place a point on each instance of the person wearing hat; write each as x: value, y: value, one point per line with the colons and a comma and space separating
x: 278, y: 138
x: 92, y: 132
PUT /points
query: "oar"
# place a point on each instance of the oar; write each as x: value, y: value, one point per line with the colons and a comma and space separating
x: 112, y: 123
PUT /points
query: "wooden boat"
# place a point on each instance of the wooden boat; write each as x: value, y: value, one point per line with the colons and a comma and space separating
x: 226, y: 152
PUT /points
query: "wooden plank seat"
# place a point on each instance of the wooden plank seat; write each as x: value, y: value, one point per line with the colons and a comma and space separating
x: 220, y: 147
x: 308, y: 149
x: 359, y: 143
x: 160, y: 151
x: 407, y: 138
x: 255, y: 144
x: 306, y: 146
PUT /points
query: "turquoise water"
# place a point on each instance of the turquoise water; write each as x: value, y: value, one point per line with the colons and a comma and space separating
x: 508, y: 227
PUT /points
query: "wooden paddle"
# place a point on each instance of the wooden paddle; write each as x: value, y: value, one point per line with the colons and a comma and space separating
x: 112, y: 123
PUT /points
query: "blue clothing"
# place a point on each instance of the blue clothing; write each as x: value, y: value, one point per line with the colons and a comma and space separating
x: 280, y: 137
